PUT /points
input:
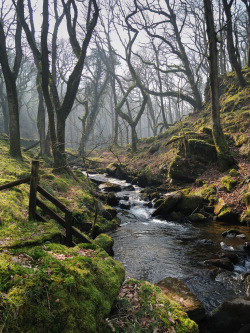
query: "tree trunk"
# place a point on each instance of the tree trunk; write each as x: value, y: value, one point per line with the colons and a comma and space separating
x: 230, y: 44
x: 225, y: 159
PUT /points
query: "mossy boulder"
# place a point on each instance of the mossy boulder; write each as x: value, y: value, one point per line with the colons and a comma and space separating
x: 57, y: 289
x: 208, y: 192
x: 143, y: 307
x: 230, y: 316
x: 197, y: 217
x: 178, y: 292
x: 108, y: 212
x: 190, y: 203
x: 219, y: 206
x: 168, y: 204
x: 225, y: 212
x: 176, y: 216
x: 105, y: 242
x: 202, y: 150
x: 185, y: 169
x: 229, y: 183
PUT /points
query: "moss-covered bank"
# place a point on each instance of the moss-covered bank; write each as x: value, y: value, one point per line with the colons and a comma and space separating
x: 53, y: 288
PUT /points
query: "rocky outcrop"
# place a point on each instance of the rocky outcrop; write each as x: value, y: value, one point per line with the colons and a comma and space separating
x: 225, y: 213
x: 231, y: 316
x: 177, y: 291
x: 168, y: 204
x: 177, y: 204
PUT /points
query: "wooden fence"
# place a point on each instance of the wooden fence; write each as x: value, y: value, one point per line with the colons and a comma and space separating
x: 34, y: 201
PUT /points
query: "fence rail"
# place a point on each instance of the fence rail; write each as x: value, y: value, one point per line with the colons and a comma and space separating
x: 34, y: 201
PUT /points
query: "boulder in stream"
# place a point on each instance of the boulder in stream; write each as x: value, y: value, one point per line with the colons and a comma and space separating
x: 168, y: 203
x: 231, y: 316
x: 177, y: 291
x: 224, y: 263
x: 110, y: 187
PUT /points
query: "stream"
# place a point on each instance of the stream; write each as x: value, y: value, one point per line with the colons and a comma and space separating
x: 152, y: 249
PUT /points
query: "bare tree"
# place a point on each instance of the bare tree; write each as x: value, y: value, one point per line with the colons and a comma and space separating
x: 56, y: 107
x: 230, y: 42
x: 10, y: 77
x: 225, y: 158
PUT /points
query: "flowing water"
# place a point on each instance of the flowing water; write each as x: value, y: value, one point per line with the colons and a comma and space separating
x: 152, y: 249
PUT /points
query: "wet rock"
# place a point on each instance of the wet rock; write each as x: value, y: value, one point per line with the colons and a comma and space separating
x: 177, y: 291
x: 231, y: 316
x: 233, y: 257
x: 125, y: 205
x: 111, y: 199
x: 247, y: 285
x: 110, y: 187
x: 168, y: 204
x: 197, y: 217
x: 125, y: 198
x: 225, y: 213
x: 241, y: 236
x: 247, y: 246
x: 109, y: 212
x: 128, y: 188
x: 158, y: 202
x: 224, y: 263
x: 231, y: 233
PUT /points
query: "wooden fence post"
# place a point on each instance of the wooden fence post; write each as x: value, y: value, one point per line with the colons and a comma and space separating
x: 68, y: 227
x: 33, y: 189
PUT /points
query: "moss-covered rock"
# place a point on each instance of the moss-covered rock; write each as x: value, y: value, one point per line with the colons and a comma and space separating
x: 208, y: 192
x: 246, y: 199
x: 190, y: 203
x: 229, y: 183
x: 109, y: 212
x: 219, y: 206
x: 176, y: 216
x: 231, y: 316
x: 202, y: 150
x: 168, y: 204
x: 56, y: 289
x: 197, y: 217
x: 178, y: 292
x: 105, y: 242
x: 143, y: 307
x: 185, y: 169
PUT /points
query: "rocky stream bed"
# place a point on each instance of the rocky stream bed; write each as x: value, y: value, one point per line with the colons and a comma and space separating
x: 205, y: 262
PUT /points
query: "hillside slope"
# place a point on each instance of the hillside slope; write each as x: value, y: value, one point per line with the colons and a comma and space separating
x: 185, y: 156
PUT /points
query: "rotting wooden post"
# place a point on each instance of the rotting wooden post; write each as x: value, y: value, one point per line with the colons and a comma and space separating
x: 68, y: 227
x: 33, y: 189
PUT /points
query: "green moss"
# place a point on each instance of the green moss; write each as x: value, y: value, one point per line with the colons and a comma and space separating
x: 234, y: 173
x: 105, y: 242
x: 246, y: 199
x: 56, y: 289
x: 208, y: 192
x: 229, y: 183
x: 60, y: 185
x: 143, y: 307
x: 189, y: 203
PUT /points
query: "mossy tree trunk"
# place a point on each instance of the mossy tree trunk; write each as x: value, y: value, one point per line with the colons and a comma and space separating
x: 10, y: 77
x: 247, y: 3
x: 55, y: 107
x: 225, y: 158
x: 230, y: 42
